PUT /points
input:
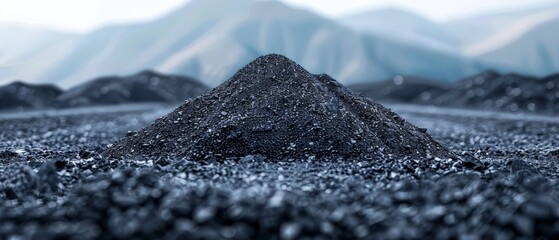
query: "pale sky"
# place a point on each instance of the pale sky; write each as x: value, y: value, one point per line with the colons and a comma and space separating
x: 85, y: 15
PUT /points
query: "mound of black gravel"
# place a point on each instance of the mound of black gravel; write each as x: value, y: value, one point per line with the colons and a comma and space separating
x: 146, y: 86
x: 406, y: 89
x: 510, y: 92
x: 276, y: 109
x: 19, y: 95
x: 488, y: 90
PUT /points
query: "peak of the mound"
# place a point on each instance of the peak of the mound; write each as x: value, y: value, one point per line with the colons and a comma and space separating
x: 270, y: 68
x: 275, y: 108
x: 272, y: 59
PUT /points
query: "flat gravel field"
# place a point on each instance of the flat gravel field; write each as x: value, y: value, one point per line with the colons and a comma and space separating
x: 56, y: 184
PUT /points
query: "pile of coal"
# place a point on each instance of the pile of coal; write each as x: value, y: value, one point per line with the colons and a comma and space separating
x: 19, y: 95
x: 146, y: 86
x: 274, y: 108
x: 488, y: 90
x: 406, y: 89
x: 510, y: 92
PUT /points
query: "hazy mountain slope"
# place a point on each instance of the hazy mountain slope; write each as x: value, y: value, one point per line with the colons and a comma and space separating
x: 210, y: 43
x: 269, y: 27
x: 27, y: 50
x: 402, y: 25
x: 484, y: 33
x: 20, y: 41
x: 534, y: 53
x: 320, y: 45
x: 129, y: 48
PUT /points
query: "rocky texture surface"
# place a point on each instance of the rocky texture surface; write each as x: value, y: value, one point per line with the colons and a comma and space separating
x: 510, y: 92
x: 512, y: 194
x: 488, y: 90
x: 19, y: 95
x: 146, y: 86
x: 276, y: 109
x: 404, y: 89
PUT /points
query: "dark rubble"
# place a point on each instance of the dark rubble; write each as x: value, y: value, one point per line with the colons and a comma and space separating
x: 275, y: 109
x: 513, y: 194
x: 507, y: 92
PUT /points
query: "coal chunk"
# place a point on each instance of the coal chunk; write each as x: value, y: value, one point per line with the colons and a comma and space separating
x: 520, y: 166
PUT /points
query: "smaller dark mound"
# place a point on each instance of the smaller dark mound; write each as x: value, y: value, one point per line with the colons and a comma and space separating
x: 405, y: 89
x: 20, y: 95
x: 146, y: 86
x: 488, y: 90
x: 274, y: 108
x: 510, y: 92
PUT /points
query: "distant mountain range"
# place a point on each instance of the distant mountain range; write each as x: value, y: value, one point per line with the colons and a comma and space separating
x: 484, y: 33
x: 402, y: 25
x: 210, y: 43
x: 522, y: 41
x: 26, y: 52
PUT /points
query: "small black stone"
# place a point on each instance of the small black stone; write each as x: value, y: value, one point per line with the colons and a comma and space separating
x: 85, y: 154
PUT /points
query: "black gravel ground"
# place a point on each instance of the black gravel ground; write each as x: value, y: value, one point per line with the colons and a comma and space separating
x: 55, y: 185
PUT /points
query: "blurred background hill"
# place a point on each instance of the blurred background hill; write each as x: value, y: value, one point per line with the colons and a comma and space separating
x: 209, y: 40
x: 209, y: 43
